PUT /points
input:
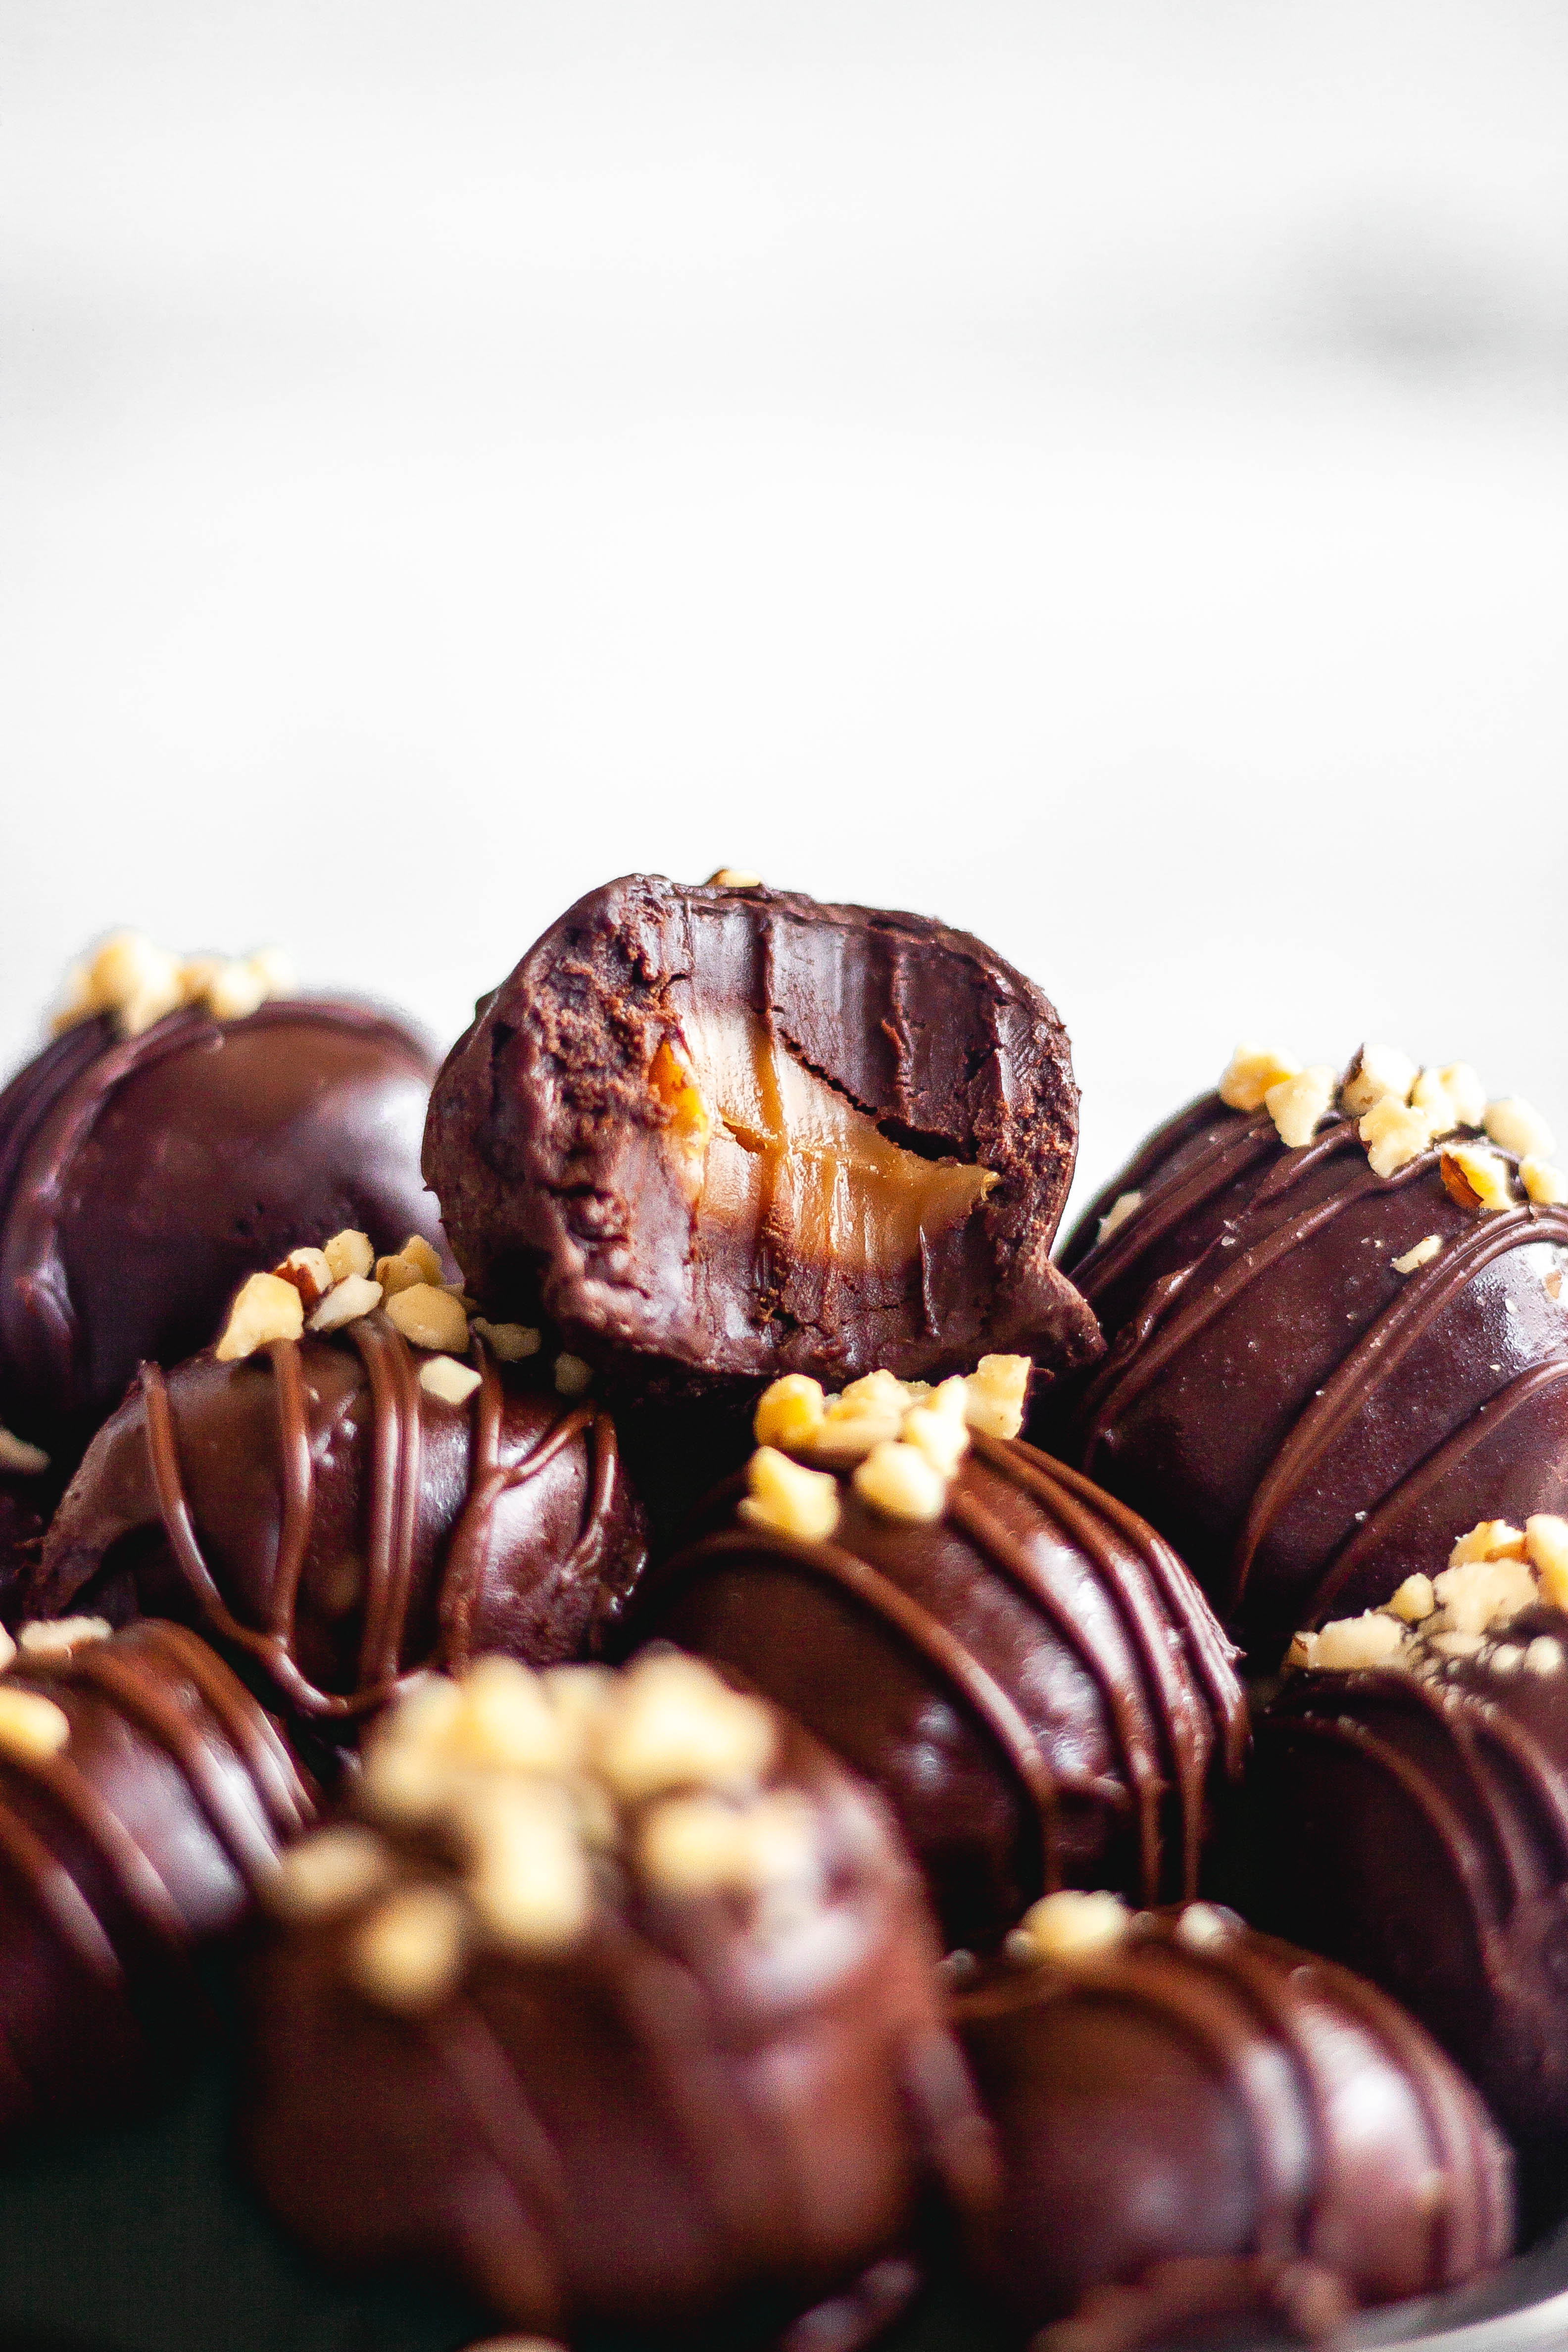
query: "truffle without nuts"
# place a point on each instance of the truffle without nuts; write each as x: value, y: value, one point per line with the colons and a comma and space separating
x: 715, y: 1132
x: 614, y: 1996
x: 1191, y: 2115
x: 1301, y: 1397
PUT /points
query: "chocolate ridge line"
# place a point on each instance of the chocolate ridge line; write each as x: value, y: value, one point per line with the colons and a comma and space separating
x: 393, y: 1509
x: 1082, y: 1241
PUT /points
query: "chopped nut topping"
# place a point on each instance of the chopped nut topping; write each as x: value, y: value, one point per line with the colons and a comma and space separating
x: 940, y: 1430
x: 1464, y: 1092
x: 428, y: 1316
x: 529, y: 1878
x: 509, y: 1343
x: 1299, y: 1105
x: 1125, y: 1205
x: 409, y: 1954
x: 1458, y: 1645
x: 397, y: 1273
x: 898, y: 1481
x: 346, y: 1301
x: 1476, y: 1178
x: 1543, y: 1183
x: 1377, y: 1071
x: 789, y: 1412
x: 329, y: 1871
x: 679, y: 1726
x: 791, y: 1500
x: 138, y: 983
x: 700, y: 1845
x: 445, y: 1378
x: 7, y: 1649
x: 1517, y: 1126
x: 20, y: 1460
x: 266, y: 1308
x: 1414, y: 1600
x: 1203, y: 1926
x: 998, y: 1390
x: 1395, y: 1135
x: 1431, y: 1094
x: 1249, y: 1074
x: 1546, y: 1548
x: 735, y: 877
x: 1074, y: 1925
x: 1544, y: 1655
x: 310, y: 1273
x: 56, y: 1637
x: 1482, y: 1594
x: 348, y: 1253
x: 1347, y: 1643
x: 31, y: 1727
x: 1490, y: 1539
x: 573, y: 1377
x: 1422, y: 1254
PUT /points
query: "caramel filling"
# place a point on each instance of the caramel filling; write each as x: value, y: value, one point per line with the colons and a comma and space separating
x: 765, y: 1145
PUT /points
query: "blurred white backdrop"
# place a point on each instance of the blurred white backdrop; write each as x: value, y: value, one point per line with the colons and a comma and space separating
x: 1098, y: 472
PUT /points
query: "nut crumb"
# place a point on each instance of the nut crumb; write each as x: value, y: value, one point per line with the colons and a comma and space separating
x: 1464, y: 1092
x: 1075, y: 1924
x: 899, y: 1482
x: 1125, y: 1206
x: 7, y: 1649
x: 1544, y: 1655
x: 1546, y: 1548
x: 1476, y: 1178
x: 1395, y: 1135
x: 509, y: 1343
x: 997, y: 1392
x: 572, y: 1376
x: 409, y: 1954
x: 1249, y: 1074
x: 1489, y: 1539
x: 1545, y: 1185
x: 1422, y: 1254
x: 428, y: 1316
x: 56, y: 1637
x: 1347, y: 1643
x: 1299, y: 1105
x: 790, y: 1499
x: 735, y: 877
x: 444, y: 1377
x: 329, y: 1871
x: 310, y: 1273
x: 266, y: 1309
x: 345, y: 1302
x: 1517, y: 1126
x: 20, y: 1460
x: 1377, y: 1071
x: 31, y: 1727
x: 1414, y: 1600
x: 348, y: 1253
x: 789, y: 1412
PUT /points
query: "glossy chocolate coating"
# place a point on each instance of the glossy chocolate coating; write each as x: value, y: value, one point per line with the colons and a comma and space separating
x: 316, y: 1507
x: 1305, y: 1425
x: 1034, y: 1681
x: 141, y: 1178
x: 570, y: 1185
x: 1228, y: 2098
x: 1418, y: 1825
x: 689, y: 2121
x: 144, y: 1837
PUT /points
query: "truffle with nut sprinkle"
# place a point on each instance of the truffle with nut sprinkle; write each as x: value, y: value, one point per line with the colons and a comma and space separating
x: 614, y: 1995
x: 144, y: 1797
x: 1337, y: 1333
x: 1023, y: 1666
x: 1410, y: 1807
x: 361, y: 1478
x: 191, y: 1120
x: 1198, y: 2123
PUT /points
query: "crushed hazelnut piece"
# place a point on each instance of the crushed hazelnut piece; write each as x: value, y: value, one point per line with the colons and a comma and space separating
x: 1546, y: 1548
x: 31, y: 1726
x: 572, y: 1376
x: 678, y: 1725
x: 1464, y: 1092
x: 1544, y: 1655
x: 528, y: 1877
x: 1545, y: 1185
x: 1422, y: 1254
x: 1201, y: 1926
x: 347, y: 1253
x: 418, y: 1251
x: 1414, y: 1600
x: 700, y: 1845
x: 7, y: 1649
x: 20, y: 1460
x: 735, y: 877
x: 1482, y: 1594
x: 138, y: 981
x: 308, y: 1272
x: 1303, y: 1650
x: 428, y: 1316
x: 1454, y: 1644
x: 940, y: 1429
x: 505, y: 1717
x: 1517, y: 1126
x: 1125, y: 1205
x: 266, y: 1308
x: 997, y: 1390
x: 1430, y: 1094
x: 791, y: 1500
x: 1394, y: 1135
x: 234, y: 989
x: 1347, y: 1644
x: 1299, y: 1105
x: 328, y: 1872
x: 409, y: 1954
x: 444, y: 1377
x: 1377, y: 1071
x: 56, y: 1637
x: 396, y: 1272
x: 1476, y: 1178
x: 899, y: 1482
x: 789, y: 1413
x: 1489, y: 1539
x: 345, y: 1302
x: 1075, y: 1924
x: 1249, y: 1074
x: 509, y: 1343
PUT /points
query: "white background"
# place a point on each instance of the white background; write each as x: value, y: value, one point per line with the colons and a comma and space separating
x: 1096, y: 472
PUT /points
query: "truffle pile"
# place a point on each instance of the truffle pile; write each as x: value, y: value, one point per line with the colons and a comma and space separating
x: 694, y: 1673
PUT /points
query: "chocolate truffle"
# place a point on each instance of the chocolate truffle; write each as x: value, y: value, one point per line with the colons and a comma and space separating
x: 1333, y: 1338
x: 351, y: 1504
x: 1181, y: 2104
x: 718, y: 1132
x: 142, y: 1175
x: 1024, y: 1667
x: 143, y: 1798
x: 1412, y: 1810
x: 616, y: 1998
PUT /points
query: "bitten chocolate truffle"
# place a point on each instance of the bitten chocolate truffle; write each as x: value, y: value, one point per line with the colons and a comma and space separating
x: 616, y: 1998
x: 143, y: 1174
x: 345, y: 1502
x: 143, y: 1798
x: 1024, y: 1668
x: 1193, y: 2116
x: 1411, y: 1809
x: 723, y: 1132
x: 1336, y: 1333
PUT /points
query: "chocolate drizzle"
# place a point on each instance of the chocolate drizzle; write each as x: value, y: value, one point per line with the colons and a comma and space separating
x: 1161, y: 1700
x: 1222, y: 1221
